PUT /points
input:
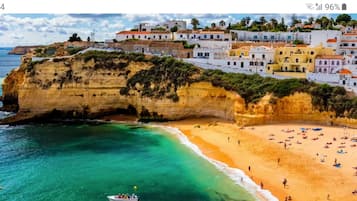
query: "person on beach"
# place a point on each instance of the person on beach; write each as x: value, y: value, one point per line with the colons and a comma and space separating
x: 228, y: 138
x: 249, y: 168
x: 261, y: 185
x: 238, y: 142
x: 278, y: 161
x: 284, y: 145
x: 285, y: 181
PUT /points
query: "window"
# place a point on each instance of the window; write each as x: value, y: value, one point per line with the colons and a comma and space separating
x: 127, y: 36
x: 297, y: 60
x: 286, y: 68
x: 312, y: 52
x: 138, y: 36
x: 228, y: 63
x: 310, y: 60
x: 235, y: 63
x: 281, y: 52
x: 251, y: 63
x: 263, y: 56
x: 261, y: 63
x: 217, y: 36
x: 206, y: 54
x: 144, y: 36
x: 320, y: 62
x: 325, y: 62
x: 154, y: 36
x: 242, y: 64
x: 256, y: 63
x: 205, y: 36
x: 319, y: 70
x: 253, y: 56
x: 332, y: 62
x: 353, y: 44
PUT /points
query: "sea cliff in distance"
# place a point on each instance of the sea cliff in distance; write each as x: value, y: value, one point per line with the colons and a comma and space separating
x: 96, y: 83
x: 21, y: 50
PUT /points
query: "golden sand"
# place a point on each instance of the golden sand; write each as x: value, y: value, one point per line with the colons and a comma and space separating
x: 275, y: 152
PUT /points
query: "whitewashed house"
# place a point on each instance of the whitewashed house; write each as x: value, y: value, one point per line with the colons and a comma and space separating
x: 202, y: 35
x: 256, y: 60
x: 143, y: 35
x: 271, y: 36
x: 328, y: 64
x: 326, y: 38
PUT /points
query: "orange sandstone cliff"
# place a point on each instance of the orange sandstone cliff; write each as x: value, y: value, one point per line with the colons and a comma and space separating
x: 76, y: 87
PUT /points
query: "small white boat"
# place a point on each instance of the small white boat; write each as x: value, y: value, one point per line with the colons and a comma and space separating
x: 123, y: 197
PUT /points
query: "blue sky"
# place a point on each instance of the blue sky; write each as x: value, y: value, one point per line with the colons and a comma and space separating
x: 21, y: 29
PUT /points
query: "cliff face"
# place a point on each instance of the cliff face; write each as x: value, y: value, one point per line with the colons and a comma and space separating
x: 20, y: 50
x: 78, y: 87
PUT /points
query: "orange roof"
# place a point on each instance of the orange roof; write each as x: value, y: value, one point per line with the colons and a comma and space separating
x: 133, y: 32
x: 344, y: 71
x: 350, y: 34
x: 329, y: 57
x: 348, y: 40
x: 308, y: 27
x: 331, y: 40
x: 213, y: 32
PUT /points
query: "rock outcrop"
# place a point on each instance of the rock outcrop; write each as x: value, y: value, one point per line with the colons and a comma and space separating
x: 79, y: 87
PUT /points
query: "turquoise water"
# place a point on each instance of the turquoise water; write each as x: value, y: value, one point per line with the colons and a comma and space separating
x: 88, y: 162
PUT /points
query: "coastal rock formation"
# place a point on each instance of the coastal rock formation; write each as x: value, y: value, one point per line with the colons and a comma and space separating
x: 21, y: 50
x: 82, y: 86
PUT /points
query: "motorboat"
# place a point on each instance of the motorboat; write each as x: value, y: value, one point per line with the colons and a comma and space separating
x: 123, y: 197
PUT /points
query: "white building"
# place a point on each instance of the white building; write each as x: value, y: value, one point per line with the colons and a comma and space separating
x: 255, y: 62
x: 271, y: 36
x: 348, y: 45
x: 143, y: 35
x: 202, y: 35
x: 180, y: 24
x: 328, y: 64
x: 326, y: 38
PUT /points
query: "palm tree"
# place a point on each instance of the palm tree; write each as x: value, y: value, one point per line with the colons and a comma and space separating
x: 311, y: 20
x: 274, y: 23
x: 222, y: 23
x: 262, y: 20
x: 247, y: 21
x: 195, y: 23
x: 213, y: 25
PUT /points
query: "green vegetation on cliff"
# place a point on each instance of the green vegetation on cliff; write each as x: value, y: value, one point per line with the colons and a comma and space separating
x: 168, y: 74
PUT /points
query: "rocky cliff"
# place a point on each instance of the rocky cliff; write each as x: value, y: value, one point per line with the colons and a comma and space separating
x: 20, y: 50
x: 90, y: 86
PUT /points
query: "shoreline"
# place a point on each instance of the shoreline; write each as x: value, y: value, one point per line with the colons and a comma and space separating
x: 238, y: 176
x: 308, y: 178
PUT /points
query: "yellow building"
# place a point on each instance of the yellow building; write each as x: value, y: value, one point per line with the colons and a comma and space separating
x: 297, y: 59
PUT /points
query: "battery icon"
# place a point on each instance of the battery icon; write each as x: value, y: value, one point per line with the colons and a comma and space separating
x: 344, y: 6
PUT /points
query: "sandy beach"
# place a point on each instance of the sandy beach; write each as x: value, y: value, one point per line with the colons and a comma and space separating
x: 317, y: 164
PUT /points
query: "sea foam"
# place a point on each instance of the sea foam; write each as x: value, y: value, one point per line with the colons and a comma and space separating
x: 235, y: 174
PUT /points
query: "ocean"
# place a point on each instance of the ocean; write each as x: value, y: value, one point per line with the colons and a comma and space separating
x: 87, y: 162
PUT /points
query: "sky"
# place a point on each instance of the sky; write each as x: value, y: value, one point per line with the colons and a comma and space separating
x: 42, y: 29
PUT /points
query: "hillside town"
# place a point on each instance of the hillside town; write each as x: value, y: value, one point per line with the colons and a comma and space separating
x: 322, y: 50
